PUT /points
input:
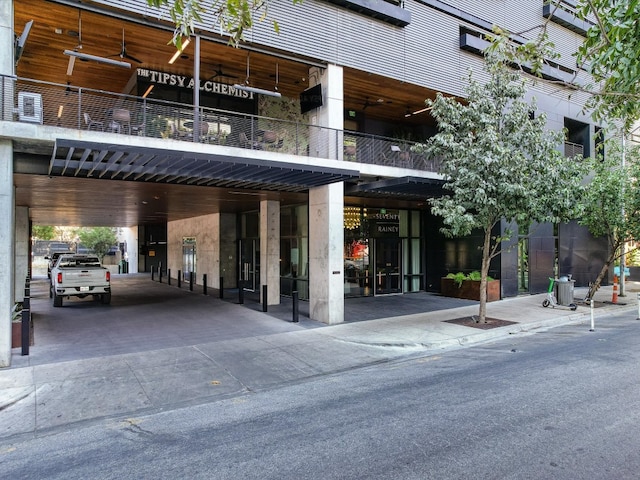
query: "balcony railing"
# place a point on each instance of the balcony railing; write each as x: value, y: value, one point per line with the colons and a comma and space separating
x: 80, y: 108
x: 572, y: 149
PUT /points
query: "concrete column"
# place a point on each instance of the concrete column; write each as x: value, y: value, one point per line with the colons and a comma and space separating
x: 21, y: 253
x: 6, y: 250
x: 133, y: 248
x: 328, y: 143
x: 326, y: 259
x: 270, y: 250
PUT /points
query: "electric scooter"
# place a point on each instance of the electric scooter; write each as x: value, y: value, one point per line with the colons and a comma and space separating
x: 551, y: 297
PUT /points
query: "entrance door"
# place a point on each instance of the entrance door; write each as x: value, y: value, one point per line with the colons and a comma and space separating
x: 250, y: 263
x: 188, y: 258
x: 387, y: 258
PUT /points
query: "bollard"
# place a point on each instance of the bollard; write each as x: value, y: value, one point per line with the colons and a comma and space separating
x: 294, y: 296
x: 168, y: 276
x: 241, y: 292
x: 638, y: 307
x: 26, y: 320
x: 160, y: 273
x: 179, y: 279
x: 614, y: 298
x: 191, y: 281
x: 152, y: 272
x: 204, y: 284
x: 593, y: 325
x: 264, y: 298
x: 221, y: 287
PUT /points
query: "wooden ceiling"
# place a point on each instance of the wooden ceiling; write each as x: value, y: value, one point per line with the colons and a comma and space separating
x: 59, y: 27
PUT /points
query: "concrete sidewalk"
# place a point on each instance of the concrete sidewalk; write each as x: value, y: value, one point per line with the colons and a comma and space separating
x: 250, y: 351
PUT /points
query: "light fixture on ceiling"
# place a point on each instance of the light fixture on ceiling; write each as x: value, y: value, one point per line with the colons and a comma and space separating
x: 86, y: 56
x: 418, y: 112
x: 179, y: 51
x: 247, y: 88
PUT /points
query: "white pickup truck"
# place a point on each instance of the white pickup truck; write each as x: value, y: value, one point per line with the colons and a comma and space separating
x: 80, y: 276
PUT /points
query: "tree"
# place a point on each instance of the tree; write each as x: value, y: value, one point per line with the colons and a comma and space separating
x: 233, y: 16
x: 98, y: 239
x: 499, y: 162
x: 611, y: 54
x: 611, y: 202
x: 43, y: 232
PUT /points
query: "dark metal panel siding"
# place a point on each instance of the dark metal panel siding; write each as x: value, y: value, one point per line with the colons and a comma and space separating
x: 508, y: 261
x: 580, y: 254
x: 542, y: 254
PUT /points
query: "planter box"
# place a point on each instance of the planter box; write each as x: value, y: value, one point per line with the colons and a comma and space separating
x: 16, y: 334
x: 470, y: 289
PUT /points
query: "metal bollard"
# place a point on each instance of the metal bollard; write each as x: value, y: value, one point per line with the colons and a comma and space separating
x: 204, y: 284
x: 179, y: 278
x: 593, y: 325
x: 241, y: 292
x: 168, y: 276
x: 152, y: 272
x: 221, y: 287
x: 160, y: 273
x: 191, y: 281
x: 26, y: 320
x: 294, y: 296
x: 264, y: 298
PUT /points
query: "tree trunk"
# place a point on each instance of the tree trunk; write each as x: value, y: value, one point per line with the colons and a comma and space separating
x: 594, y: 286
x: 484, y: 272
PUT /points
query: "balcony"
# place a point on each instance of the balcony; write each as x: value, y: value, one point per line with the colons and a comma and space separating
x: 78, y: 108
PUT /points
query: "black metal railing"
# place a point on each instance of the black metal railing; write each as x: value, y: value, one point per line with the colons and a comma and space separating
x: 79, y: 108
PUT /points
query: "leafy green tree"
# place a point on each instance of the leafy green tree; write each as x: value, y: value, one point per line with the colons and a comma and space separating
x: 611, y: 54
x: 43, y: 232
x: 611, y: 202
x: 499, y: 162
x: 233, y: 16
x: 98, y: 239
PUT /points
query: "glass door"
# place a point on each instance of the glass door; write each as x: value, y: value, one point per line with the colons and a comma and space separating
x: 188, y: 258
x: 387, y: 258
x: 250, y: 263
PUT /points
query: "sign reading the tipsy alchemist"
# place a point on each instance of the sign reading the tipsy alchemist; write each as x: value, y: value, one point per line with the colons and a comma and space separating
x: 182, y: 81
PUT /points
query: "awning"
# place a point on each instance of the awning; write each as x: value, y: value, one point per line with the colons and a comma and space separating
x: 418, y: 188
x: 73, y: 158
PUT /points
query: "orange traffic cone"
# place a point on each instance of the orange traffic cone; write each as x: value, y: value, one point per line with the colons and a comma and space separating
x: 615, y: 289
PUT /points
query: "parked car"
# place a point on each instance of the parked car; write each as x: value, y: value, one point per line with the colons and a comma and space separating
x: 80, y: 276
x: 53, y: 258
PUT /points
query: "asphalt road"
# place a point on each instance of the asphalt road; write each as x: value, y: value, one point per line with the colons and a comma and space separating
x: 560, y: 404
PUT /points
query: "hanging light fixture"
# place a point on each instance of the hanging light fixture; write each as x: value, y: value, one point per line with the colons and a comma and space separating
x: 247, y: 88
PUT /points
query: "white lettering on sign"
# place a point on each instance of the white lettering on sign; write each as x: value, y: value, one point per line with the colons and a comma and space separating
x: 182, y: 81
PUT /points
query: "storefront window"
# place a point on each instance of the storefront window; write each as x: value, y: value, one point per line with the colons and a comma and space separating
x: 294, y: 251
x: 382, y: 251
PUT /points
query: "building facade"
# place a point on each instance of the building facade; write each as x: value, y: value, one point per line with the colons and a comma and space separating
x: 286, y: 162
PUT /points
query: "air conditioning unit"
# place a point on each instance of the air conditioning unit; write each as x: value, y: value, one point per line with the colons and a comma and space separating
x: 30, y: 107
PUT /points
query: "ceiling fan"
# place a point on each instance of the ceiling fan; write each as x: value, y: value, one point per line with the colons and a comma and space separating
x: 220, y: 73
x: 367, y: 103
x: 72, y: 60
x: 123, y: 52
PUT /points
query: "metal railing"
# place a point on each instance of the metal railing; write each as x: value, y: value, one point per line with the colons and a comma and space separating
x: 572, y: 149
x: 68, y: 106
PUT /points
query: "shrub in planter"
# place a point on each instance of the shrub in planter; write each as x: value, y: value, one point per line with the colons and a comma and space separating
x: 460, y: 285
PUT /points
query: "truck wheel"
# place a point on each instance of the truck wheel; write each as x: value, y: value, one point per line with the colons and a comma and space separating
x: 57, y: 300
x: 106, y: 298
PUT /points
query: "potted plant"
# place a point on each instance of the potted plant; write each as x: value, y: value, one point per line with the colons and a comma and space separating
x: 467, y: 286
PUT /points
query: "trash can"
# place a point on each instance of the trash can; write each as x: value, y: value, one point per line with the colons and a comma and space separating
x: 565, y: 290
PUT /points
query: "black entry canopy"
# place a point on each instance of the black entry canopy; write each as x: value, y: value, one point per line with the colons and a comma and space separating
x: 74, y: 158
x: 409, y: 187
